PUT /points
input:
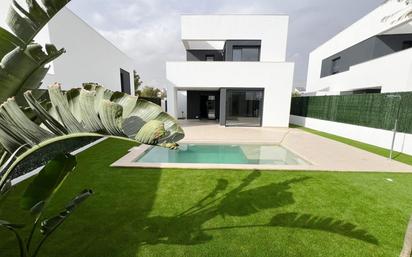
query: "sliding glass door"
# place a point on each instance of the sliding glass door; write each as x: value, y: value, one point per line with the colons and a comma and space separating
x: 244, y: 107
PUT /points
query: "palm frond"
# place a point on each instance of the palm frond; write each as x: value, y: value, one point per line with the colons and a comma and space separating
x: 91, y: 110
x: 23, y: 62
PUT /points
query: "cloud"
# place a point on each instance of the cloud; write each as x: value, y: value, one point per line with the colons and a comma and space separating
x: 149, y: 30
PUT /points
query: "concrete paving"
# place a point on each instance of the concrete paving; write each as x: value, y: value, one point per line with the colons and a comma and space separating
x: 323, y: 154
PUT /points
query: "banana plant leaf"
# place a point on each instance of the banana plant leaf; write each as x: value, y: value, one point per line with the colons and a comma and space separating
x: 13, y: 228
x: 23, y: 62
x: 49, y: 225
x: 47, y: 182
x: 26, y: 23
x: 88, y: 111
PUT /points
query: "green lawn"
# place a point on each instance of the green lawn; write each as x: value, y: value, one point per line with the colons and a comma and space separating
x: 401, y: 157
x: 220, y: 213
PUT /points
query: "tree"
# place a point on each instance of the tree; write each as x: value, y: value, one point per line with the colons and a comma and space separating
x: 137, y: 82
x: 152, y: 92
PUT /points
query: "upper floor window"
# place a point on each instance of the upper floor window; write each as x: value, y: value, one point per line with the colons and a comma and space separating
x: 210, y: 58
x: 406, y: 44
x: 246, y: 53
x: 335, y: 68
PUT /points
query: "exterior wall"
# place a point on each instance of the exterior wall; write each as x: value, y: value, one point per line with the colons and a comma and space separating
x: 367, y: 50
x: 389, y: 18
x: 89, y: 57
x: 270, y: 29
x: 275, y: 78
x: 377, y: 137
x: 181, y: 105
x: 393, y: 73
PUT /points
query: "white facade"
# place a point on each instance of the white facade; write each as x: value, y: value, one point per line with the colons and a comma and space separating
x: 271, y: 72
x: 89, y: 56
x: 390, y: 73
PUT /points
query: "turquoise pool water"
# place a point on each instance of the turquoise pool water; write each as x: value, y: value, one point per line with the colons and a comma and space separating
x: 222, y: 154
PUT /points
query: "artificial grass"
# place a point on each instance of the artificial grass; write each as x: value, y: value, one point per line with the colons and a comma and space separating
x: 401, y: 157
x: 153, y: 212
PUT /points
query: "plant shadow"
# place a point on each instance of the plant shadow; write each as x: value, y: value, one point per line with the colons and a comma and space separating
x: 187, y: 228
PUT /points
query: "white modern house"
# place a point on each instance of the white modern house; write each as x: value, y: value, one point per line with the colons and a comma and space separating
x: 89, y: 56
x: 372, y: 55
x: 235, y: 70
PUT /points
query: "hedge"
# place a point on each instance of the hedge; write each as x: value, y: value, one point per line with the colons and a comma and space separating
x: 369, y: 110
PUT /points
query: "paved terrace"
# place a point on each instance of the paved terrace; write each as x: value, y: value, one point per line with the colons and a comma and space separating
x: 323, y: 154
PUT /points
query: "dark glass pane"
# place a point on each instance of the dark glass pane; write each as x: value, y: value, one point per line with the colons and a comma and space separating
x: 250, y: 54
x: 210, y: 58
x: 237, y: 54
x: 244, y: 107
x: 336, y: 65
x: 406, y: 45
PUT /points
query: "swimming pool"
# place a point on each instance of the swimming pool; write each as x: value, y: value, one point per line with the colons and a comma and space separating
x: 222, y: 154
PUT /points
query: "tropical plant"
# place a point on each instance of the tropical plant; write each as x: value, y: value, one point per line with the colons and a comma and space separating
x: 137, y: 82
x: 35, y: 200
x: 23, y: 67
x: 91, y: 111
x: 23, y: 62
x: 152, y: 92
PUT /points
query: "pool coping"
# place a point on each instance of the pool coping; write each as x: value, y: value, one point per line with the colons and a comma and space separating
x: 128, y: 161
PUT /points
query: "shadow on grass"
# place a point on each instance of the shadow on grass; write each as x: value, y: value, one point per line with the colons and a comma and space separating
x: 186, y: 228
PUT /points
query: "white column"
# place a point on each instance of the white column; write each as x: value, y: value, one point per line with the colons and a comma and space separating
x: 172, y: 101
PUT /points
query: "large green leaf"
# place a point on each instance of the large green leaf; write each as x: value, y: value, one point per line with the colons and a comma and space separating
x: 4, y: 166
x: 91, y: 111
x: 13, y: 228
x: 49, y: 225
x: 22, y: 62
x: 8, y: 42
x: 22, y: 70
x: 61, y: 106
x: 151, y: 132
x: 15, y: 118
x: 27, y: 24
x: 47, y: 182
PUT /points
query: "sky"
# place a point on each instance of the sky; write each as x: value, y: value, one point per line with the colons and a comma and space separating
x: 149, y: 30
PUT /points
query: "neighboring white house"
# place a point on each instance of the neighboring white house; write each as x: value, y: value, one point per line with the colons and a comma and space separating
x: 235, y: 70
x: 372, y: 55
x: 89, y: 56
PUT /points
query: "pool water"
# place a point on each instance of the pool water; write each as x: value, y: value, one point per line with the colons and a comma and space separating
x: 222, y: 154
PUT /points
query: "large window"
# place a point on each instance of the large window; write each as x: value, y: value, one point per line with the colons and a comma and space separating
x: 244, y: 107
x: 125, y: 81
x: 246, y: 53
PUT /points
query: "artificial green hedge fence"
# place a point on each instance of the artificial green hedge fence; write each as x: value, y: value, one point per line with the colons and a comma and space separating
x: 369, y: 110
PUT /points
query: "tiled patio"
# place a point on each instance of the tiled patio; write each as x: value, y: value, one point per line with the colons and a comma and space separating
x: 323, y: 154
